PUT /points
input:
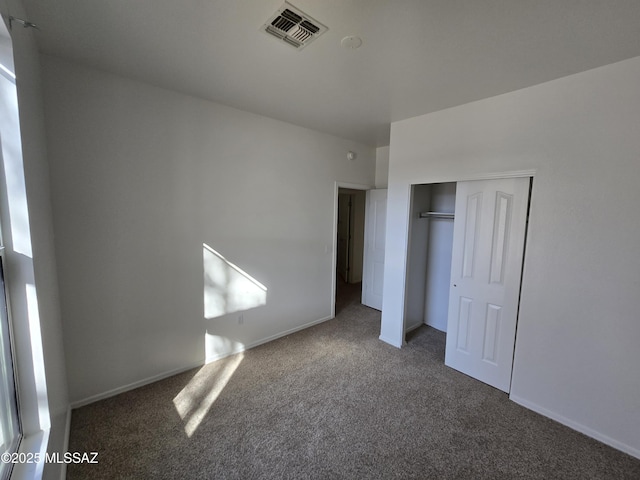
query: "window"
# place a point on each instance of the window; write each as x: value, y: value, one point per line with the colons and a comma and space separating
x: 10, y: 431
x: 26, y: 425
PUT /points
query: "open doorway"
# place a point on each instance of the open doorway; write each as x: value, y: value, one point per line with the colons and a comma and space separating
x: 349, y: 247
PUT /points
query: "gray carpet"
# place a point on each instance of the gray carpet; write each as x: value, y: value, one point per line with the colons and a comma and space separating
x: 332, y: 401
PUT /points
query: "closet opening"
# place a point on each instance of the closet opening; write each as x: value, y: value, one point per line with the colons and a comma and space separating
x: 464, y: 272
x: 430, y: 253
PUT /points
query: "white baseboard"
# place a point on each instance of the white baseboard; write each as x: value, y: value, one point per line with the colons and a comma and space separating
x: 161, y: 376
x: 443, y: 330
x: 131, y: 386
x: 389, y: 341
x: 634, y: 452
x: 262, y: 341
x: 411, y: 328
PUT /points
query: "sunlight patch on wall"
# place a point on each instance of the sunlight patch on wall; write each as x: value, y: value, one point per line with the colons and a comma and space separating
x: 227, y: 288
x: 196, y: 399
x: 216, y: 347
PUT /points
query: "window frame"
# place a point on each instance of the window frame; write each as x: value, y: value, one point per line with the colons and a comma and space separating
x: 13, y: 415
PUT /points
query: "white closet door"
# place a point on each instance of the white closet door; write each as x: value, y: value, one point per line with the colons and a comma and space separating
x: 488, y: 246
x: 375, y: 222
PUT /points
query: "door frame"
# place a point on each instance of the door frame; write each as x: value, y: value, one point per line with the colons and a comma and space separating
x: 336, y: 188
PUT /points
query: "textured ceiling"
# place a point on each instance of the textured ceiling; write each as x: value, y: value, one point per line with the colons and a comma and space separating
x: 417, y: 56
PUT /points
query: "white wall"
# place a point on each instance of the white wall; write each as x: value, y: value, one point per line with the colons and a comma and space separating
x: 31, y: 265
x: 382, y: 167
x: 577, y: 346
x: 417, y: 257
x: 141, y: 178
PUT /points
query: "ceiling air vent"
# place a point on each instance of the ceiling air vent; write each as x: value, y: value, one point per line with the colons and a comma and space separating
x: 293, y: 27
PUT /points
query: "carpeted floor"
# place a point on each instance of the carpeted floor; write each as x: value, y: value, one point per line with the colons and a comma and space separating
x: 332, y: 402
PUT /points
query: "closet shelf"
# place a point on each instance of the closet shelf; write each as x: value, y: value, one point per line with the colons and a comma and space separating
x: 436, y: 215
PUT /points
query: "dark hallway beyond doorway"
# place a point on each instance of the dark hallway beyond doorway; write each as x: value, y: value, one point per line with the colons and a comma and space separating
x: 347, y: 294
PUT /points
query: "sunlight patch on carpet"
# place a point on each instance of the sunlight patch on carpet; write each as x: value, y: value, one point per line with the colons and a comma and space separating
x: 196, y: 399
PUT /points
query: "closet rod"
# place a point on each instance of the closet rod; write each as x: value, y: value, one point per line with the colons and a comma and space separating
x: 436, y: 215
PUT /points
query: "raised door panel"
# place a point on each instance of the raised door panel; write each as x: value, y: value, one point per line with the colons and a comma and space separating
x: 471, y: 226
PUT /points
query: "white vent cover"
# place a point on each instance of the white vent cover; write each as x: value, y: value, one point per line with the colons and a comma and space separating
x: 293, y: 27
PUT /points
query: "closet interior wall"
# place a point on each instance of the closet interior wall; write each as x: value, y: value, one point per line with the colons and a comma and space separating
x: 430, y: 248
